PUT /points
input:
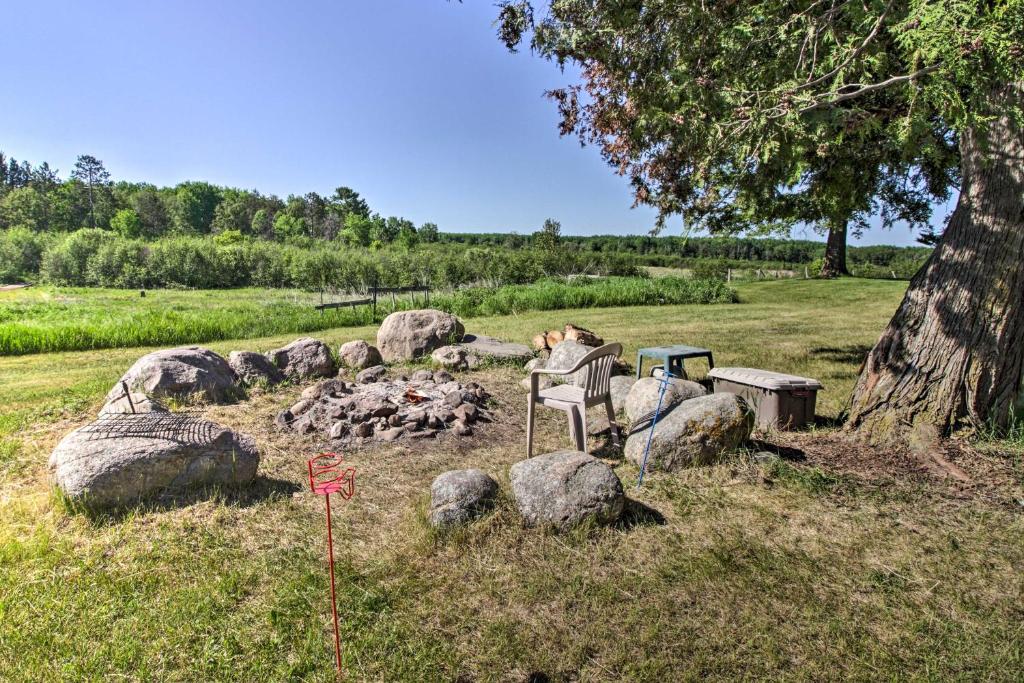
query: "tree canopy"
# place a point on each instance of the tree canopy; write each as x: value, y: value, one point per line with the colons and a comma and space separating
x: 764, y: 113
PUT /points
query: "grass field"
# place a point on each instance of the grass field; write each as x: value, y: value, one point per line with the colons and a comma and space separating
x: 47, y: 319
x: 819, y: 567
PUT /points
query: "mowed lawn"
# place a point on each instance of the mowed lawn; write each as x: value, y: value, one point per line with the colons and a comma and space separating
x: 799, y: 569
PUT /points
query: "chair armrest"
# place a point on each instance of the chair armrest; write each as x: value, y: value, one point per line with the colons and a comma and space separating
x: 544, y: 371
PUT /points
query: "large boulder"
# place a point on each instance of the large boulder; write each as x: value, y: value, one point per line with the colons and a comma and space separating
x: 619, y: 388
x: 698, y: 431
x: 135, y: 403
x: 129, y: 457
x: 566, y: 488
x: 304, y: 358
x: 359, y: 355
x: 642, y: 399
x: 411, y: 334
x: 460, y: 496
x: 496, y: 349
x: 254, y: 368
x: 688, y: 385
x: 565, y: 355
x: 182, y: 373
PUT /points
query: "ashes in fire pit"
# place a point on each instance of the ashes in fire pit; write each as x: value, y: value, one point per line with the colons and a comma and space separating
x: 418, y: 407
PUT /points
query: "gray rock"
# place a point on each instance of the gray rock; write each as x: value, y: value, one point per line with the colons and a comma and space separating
x: 535, y: 364
x: 450, y: 357
x: 333, y: 387
x: 300, y: 407
x: 338, y: 430
x: 698, y: 431
x: 443, y: 377
x: 543, y: 382
x: 140, y: 403
x: 312, y: 393
x: 359, y: 355
x: 467, y: 412
x: 687, y: 388
x: 495, y: 349
x: 642, y: 399
x: 425, y: 434
x: 411, y: 334
x: 619, y: 388
x: 460, y: 428
x: 453, y: 399
x: 254, y: 368
x: 371, y: 375
x: 566, y: 488
x: 564, y: 356
x: 304, y: 358
x: 390, y: 434
x: 284, y: 418
x: 423, y: 376
x: 120, y: 460
x: 304, y: 424
x: 182, y: 373
x: 363, y: 429
x: 460, y: 496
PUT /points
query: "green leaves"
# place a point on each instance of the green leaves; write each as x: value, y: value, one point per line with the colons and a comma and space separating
x: 705, y: 105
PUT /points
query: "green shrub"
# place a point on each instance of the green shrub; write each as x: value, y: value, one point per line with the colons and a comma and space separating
x: 21, y: 254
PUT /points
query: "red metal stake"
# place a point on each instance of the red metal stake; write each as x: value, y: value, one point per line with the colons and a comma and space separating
x: 326, y: 476
x: 334, y: 599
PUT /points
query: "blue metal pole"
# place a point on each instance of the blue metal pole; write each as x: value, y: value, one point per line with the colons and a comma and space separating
x: 665, y: 377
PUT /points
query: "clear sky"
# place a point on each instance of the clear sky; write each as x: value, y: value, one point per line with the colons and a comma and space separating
x: 413, y: 103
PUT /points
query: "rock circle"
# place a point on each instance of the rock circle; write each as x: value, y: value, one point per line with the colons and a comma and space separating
x: 566, y: 488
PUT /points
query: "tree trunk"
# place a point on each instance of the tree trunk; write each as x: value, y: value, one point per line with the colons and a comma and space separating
x: 952, y: 355
x: 835, y: 252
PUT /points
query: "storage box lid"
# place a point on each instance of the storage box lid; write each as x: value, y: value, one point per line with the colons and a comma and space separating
x: 764, y: 379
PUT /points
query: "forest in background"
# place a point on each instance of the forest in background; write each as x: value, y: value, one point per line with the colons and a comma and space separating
x: 88, y: 230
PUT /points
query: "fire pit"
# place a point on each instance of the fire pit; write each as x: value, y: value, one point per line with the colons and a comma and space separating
x: 422, y: 406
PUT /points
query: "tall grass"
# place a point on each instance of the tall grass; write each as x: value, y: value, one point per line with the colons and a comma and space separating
x: 47, y: 320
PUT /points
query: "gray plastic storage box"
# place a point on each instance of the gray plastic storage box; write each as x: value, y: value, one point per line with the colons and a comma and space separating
x: 779, y: 401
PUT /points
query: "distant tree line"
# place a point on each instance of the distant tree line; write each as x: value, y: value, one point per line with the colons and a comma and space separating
x: 92, y: 257
x: 684, y: 252
x: 35, y: 198
x: 88, y: 230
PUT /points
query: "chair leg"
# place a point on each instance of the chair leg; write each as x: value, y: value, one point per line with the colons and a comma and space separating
x: 612, y: 424
x: 529, y: 426
x: 577, y: 429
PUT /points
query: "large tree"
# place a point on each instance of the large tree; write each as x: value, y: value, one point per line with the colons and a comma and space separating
x: 716, y: 110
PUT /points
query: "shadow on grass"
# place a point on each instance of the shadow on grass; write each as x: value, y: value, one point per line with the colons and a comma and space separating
x: 784, y: 452
x: 637, y: 514
x: 852, y: 353
x: 260, y: 490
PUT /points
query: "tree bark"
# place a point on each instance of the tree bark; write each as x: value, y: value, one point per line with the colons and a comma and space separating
x: 835, y: 252
x: 952, y: 355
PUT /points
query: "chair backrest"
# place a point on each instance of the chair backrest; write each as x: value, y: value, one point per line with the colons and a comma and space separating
x: 594, y: 370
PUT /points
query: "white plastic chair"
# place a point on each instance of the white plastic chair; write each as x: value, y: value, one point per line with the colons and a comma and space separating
x: 590, y: 387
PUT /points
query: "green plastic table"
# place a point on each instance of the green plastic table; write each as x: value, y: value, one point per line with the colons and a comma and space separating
x: 671, y: 357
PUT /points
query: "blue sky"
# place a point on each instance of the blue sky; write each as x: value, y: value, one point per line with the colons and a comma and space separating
x: 414, y: 103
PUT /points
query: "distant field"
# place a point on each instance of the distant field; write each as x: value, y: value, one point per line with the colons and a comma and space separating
x: 47, y: 319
